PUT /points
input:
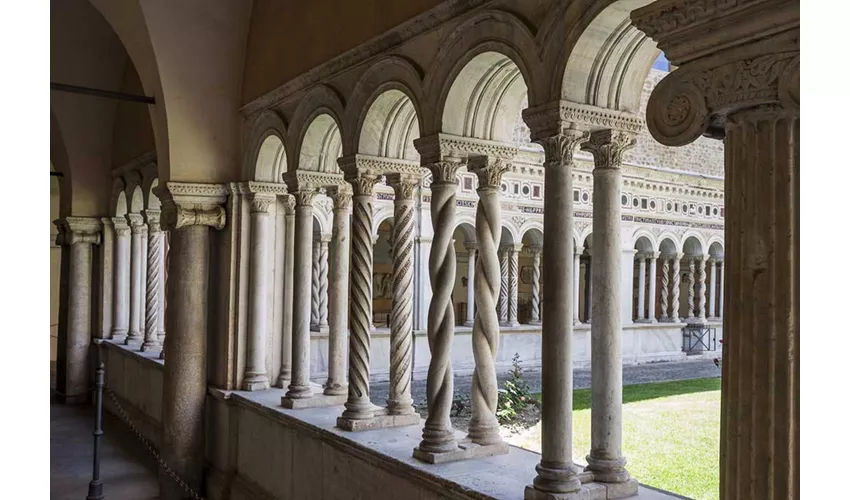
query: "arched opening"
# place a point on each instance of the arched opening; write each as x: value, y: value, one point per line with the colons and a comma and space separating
x: 466, y: 252
x: 689, y: 293
x: 715, y: 280
x: 389, y: 128
x: 321, y: 146
x: 584, y: 287
x: 271, y: 160
x: 668, y: 306
x: 643, y: 296
x: 530, y: 273
x: 382, y: 281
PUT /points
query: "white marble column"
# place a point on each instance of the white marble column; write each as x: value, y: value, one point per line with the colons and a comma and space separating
x: 73, y: 382
x: 188, y: 211
x: 256, y: 375
x: 437, y: 433
x: 665, y: 287
x: 285, y: 375
x: 472, y: 250
x: 154, y: 276
x: 692, y: 278
x: 588, y: 290
x: 676, y: 288
x: 701, y: 289
x: 720, y: 312
x: 160, y: 332
x: 299, y: 386
x: 504, y: 288
x: 513, y: 284
x: 576, y: 282
x: 338, y: 291
x: 400, y: 401
x: 139, y: 234
x: 315, y: 282
x: 121, y: 288
x: 323, y: 243
x: 712, y: 290
x: 641, y: 308
x: 357, y: 405
x: 653, y: 278
x: 606, y: 460
x: 556, y: 473
x: 107, y: 278
x: 484, y: 426
x: 535, y: 285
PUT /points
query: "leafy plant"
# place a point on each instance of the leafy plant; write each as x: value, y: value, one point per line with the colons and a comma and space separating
x: 514, y: 396
x: 718, y: 362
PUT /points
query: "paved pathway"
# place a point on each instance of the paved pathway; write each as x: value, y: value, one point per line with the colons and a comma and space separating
x: 632, y: 374
x: 126, y: 470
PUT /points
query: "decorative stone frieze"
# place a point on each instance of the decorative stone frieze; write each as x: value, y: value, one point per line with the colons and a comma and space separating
x: 189, y: 204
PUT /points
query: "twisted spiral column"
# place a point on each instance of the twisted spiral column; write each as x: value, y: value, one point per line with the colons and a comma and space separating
x: 323, y: 281
x: 513, y: 284
x: 535, y: 285
x: 503, y: 287
x: 153, y: 308
x: 437, y: 434
x: 484, y: 426
x: 702, y: 289
x: 315, y: 285
x: 677, y: 285
x: 665, y: 287
x: 358, y: 405
x: 691, y: 283
x: 400, y: 401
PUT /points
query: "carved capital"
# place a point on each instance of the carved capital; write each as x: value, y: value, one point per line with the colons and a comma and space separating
x: 74, y: 230
x: 489, y: 171
x: 471, y: 246
x: 289, y: 205
x: 261, y: 202
x: 362, y: 184
x: 444, y: 172
x: 403, y: 185
x: 186, y: 204
x: 153, y: 219
x: 607, y: 147
x: 137, y: 223
x: 341, y: 197
x: 304, y: 197
x: 558, y: 149
x: 121, y: 226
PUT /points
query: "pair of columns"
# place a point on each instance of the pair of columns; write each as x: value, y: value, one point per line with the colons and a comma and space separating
x: 138, y: 277
x: 319, y: 304
x: 438, y: 441
x: 509, y: 286
x: 646, y: 306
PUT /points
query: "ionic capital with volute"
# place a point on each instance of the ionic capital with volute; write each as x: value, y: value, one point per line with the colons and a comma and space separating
x: 190, y: 204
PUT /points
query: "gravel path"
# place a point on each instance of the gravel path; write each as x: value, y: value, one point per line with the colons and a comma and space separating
x: 632, y: 374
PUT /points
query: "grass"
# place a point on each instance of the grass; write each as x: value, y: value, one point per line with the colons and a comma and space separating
x: 671, y: 435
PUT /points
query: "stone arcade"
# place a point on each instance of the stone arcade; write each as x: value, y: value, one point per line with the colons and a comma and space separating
x: 301, y: 214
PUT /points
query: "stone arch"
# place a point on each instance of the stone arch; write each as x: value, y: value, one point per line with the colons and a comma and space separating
x: 389, y: 127
x: 716, y: 249
x: 153, y: 201
x: 391, y: 73
x: 321, y: 145
x: 603, y: 60
x: 489, y: 31
x: 509, y: 235
x: 586, y: 238
x: 320, y: 220
x: 693, y: 243
x: 119, y: 199
x: 668, y: 246
x: 381, y: 214
x: 646, y: 235
x: 468, y: 229
x: 536, y: 226
x: 532, y: 236
x: 137, y: 199
x: 643, y: 244
x: 321, y: 103
x: 265, y: 158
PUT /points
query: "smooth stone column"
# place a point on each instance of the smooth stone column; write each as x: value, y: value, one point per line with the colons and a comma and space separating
x: 641, y: 312
x: 677, y: 286
x: 701, y: 290
x: 400, y: 401
x: 472, y: 250
x: 154, y: 271
x: 107, y: 278
x: 79, y: 233
x: 139, y: 233
x: 256, y: 376
x: 588, y: 290
x: 653, y: 278
x: 576, y: 282
x: 556, y: 473
x: 720, y: 312
x: 504, y: 288
x: 188, y: 211
x: 513, y: 284
x: 665, y: 287
x: 712, y: 291
x: 358, y: 406
x: 278, y: 284
x: 484, y: 426
x: 338, y: 293
x: 299, y: 386
x: 121, y: 289
x: 605, y: 460
x: 437, y: 433
x: 289, y: 292
x: 535, y: 285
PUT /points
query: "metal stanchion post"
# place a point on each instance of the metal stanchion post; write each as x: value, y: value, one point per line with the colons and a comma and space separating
x: 96, y: 486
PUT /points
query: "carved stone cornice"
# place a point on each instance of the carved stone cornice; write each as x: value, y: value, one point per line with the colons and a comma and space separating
x: 268, y: 188
x: 441, y: 147
x: 341, y: 197
x: 78, y: 230
x: 404, y: 184
x: 555, y: 117
x: 489, y: 171
x: 300, y: 180
x: 607, y: 147
x: 378, y: 165
x: 732, y: 56
x: 187, y: 204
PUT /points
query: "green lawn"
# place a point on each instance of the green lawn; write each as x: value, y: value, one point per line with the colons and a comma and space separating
x: 671, y: 435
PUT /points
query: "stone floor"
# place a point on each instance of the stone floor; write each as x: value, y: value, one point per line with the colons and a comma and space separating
x: 127, y: 471
x: 702, y: 367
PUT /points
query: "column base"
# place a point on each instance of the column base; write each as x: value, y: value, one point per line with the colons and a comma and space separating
x: 466, y: 450
x: 469, y: 323
x: 315, y: 401
x: 132, y: 340
x: 118, y: 338
x: 153, y: 346
x: 509, y: 324
x: 588, y: 491
x: 536, y: 322
x: 283, y: 381
x: 320, y: 328
x: 256, y: 383
x: 380, y: 420
x: 335, y: 390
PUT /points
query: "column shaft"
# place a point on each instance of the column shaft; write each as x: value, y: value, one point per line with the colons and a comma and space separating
x: 720, y: 312
x: 653, y: 259
x: 576, y: 284
x: 256, y: 376
x: 665, y: 288
x: 677, y: 286
x: 702, y: 288
x: 513, y: 285
x: 712, y: 291
x: 535, y: 286
x: 121, y: 288
x: 472, y: 249
x: 605, y: 459
x: 315, y: 283
x: 338, y: 293
x: 288, y: 294
x: 504, y: 288
x: 641, y: 309
x: 153, y: 306
x: 139, y: 233
x: 588, y: 290
x: 107, y: 278
x: 323, y: 282
x: 692, y: 277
